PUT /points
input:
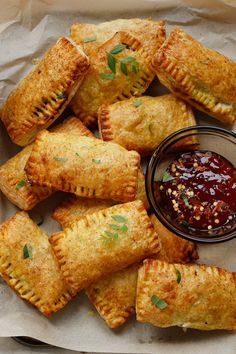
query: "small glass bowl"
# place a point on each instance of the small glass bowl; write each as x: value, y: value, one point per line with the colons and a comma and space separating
x: 199, y: 137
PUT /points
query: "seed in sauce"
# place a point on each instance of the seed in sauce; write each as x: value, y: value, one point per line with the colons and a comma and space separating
x: 201, y: 191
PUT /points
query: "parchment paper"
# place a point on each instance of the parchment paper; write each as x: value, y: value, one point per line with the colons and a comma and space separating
x: 27, y: 29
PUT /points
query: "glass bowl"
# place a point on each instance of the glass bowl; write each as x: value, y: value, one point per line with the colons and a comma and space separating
x: 206, y: 138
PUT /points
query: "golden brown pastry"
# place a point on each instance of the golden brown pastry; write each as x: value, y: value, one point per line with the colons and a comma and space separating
x: 190, y: 296
x: 104, y: 242
x: 114, y: 296
x: 141, y: 124
x: 87, y: 167
x: 174, y: 249
x: 120, y: 68
x: 13, y: 179
x: 201, y: 76
x: 28, y: 265
x: 90, y: 36
x: 74, y: 208
x: 45, y: 92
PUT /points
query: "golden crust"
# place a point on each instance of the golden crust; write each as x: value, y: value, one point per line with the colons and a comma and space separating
x: 96, y: 90
x: 201, y: 76
x: 87, y: 167
x: 174, y: 249
x: 203, y: 299
x: 13, y: 179
x: 74, y: 208
x: 42, y: 96
x: 114, y: 297
x: 36, y: 279
x: 142, y: 128
x: 150, y: 33
x: 113, y: 250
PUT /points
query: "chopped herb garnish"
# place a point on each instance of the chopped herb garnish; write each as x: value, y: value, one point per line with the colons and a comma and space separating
x: 60, y: 95
x: 114, y: 226
x: 167, y: 177
x: 124, y: 228
x: 123, y: 68
x: 90, y: 39
x: 41, y: 221
x: 178, y: 279
x: 185, y: 223
x: 107, y: 76
x: 27, y: 251
x: 127, y: 59
x: 96, y: 161
x: 118, y: 218
x: 109, y: 236
x: 135, y: 67
x: 60, y: 158
x: 185, y: 199
x: 204, y: 62
x: 137, y: 103
x: 77, y: 154
x: 20, y: 184
x: 161, y: 304
x: 111, y: 61
x: 118, y: 48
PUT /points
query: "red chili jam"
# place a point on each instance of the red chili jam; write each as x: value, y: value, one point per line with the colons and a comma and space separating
x: 198, y: 190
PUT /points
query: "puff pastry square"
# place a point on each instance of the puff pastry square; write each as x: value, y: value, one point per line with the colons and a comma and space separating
x: 90, y: 36
x: 141, y: 124
x: 13, y: 179
x: 104, y: 242
x: 102, y: 86
x: 114, y: 296
x: 44, y: 93
x: 29, y: 266
x: 74, y: 208
x: 201, y: 76
x: 190, y: 296
x: 87, y: 167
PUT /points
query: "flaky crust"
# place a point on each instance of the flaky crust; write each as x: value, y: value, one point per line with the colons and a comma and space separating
x: 150, y: 33
x: 74, y: 208
x: 203, y: 299
x: 142, y: 128
x: 174, y: 249
x: 38, y: 279
x: 96, y: 90
x: 85, y: 254
x: 12, y: 172
x: 44, y: 93
x: 87, y: 167
x: 201, y: 76
x: 114, y: 296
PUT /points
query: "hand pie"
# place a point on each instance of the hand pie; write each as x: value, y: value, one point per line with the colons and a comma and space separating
x: 114, y: 296
x: 28, y: 265
x: 141, y: 124
x: 13, y: 180
x: 201, y: 76
x: 90, y: 36
x: 120, y: 68
x: 87, y: 167
x: 104, y: 242
x: 190, y: 296
x: 45, y: 92
x: 74, y: 208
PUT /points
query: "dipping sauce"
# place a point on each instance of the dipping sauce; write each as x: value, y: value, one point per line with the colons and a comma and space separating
x: 198, y: 190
